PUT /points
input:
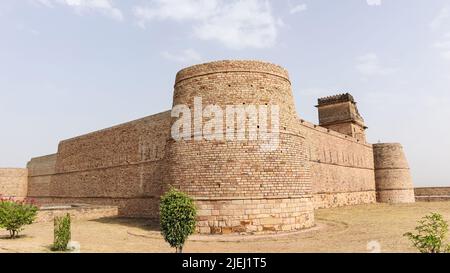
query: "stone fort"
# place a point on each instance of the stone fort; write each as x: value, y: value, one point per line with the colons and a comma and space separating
x: 236, y: 186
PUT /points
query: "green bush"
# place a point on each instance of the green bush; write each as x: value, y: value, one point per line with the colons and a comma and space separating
x: 62, y: 234
x: 177, y: 218
x: 430, y: 236
x: 15, y: 214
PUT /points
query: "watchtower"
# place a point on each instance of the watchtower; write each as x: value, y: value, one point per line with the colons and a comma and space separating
x: 340, y: 113
x: 237, y: 186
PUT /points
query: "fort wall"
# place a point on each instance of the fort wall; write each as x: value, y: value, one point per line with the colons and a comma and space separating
x: 40, y: 172
x: 120, y: 166
x: 13, y: 183
x: 237, y: 185
x: 429, y: 194
x: 392, y: 175
x: 342, y: 171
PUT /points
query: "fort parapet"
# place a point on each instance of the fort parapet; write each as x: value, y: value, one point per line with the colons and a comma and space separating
x: 237, y: 186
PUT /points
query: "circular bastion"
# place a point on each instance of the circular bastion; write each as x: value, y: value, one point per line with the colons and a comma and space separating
x: 237, y: 185
x: 392, y: 174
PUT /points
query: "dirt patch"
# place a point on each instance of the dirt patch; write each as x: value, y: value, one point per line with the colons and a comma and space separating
x: 348, y: 229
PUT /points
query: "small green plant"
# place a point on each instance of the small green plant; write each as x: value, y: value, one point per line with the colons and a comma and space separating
x: 15, y: 214
x: 177, y: 218
x: 430, y: 236
x: 62, y: 234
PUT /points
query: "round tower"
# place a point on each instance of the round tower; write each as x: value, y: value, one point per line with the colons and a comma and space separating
x: 238, y: 185
x: 392, y: 175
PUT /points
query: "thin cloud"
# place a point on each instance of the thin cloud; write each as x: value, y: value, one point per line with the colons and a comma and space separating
x: 27, y: 29
x: 373, y: 2
x: 235, y: 24
x: 370, y: 65
x: 46, y: 3
x: 298, y: 8
x: 105, y: 7
x: 439, y: 25
x: 185, y: 56
x: 443, y: 46
x: 440, y: 18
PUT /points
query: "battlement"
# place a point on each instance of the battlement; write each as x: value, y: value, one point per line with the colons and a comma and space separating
x: 346, y: 97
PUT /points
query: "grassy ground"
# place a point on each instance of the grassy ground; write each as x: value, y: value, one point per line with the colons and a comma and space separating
x: 349, y: 229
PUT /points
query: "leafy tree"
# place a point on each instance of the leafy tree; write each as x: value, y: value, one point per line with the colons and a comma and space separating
x: 430, y: 236
x: 14, y: 214
x: 177, y: 218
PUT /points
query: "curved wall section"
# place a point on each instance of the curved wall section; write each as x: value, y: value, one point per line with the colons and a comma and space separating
x: 227, y: 83
x: 392, y: 175
x: 238, y: 186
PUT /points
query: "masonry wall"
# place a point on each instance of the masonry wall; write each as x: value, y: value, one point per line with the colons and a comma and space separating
x: 238, y: 186
x: 392, y: 175
x: 120, y: 166
x: 40, y: 172
x: 342, y: 167
x: 428, y: 194
x: 13, y: 183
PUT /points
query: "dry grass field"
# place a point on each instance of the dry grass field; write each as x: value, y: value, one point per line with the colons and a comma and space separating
x: 348, y: 229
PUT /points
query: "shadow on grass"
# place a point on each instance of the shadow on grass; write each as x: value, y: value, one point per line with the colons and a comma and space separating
x: 142, y: 223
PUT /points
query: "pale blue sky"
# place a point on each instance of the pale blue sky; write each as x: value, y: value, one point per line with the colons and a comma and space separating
x: 68, y: 67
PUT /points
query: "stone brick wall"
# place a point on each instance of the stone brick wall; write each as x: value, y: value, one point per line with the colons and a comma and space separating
x: 119, y: 166
x: 429, y: 194
x: 237, y: 83
x: 392, y: 175
x: 342, y: 170
x: 40, y: 172
x: 254, y: 215
x: 232, y: 183
x: 13, y: 183
x: 239, y: 187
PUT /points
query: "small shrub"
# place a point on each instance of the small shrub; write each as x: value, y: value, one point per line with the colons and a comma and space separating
x: 177, y: 217
x: 14, y: 214
x: 430, y: 236
x: 62, y: 233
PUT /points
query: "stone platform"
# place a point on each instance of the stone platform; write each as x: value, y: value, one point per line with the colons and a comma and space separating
x: 47, y: 213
